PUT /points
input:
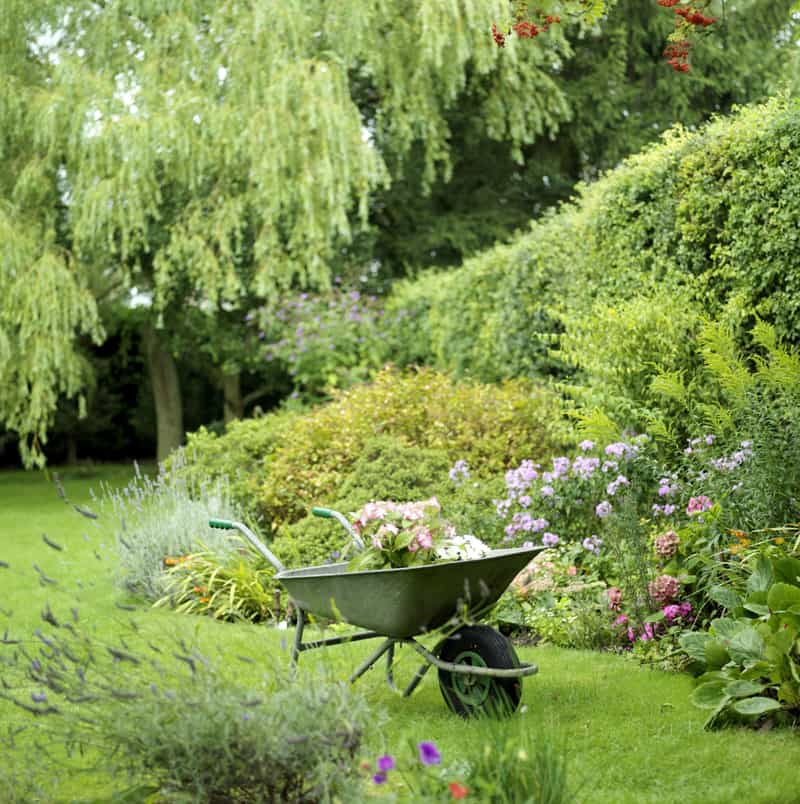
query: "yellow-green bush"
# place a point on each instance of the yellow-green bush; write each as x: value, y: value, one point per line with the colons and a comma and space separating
x: 492, y: 427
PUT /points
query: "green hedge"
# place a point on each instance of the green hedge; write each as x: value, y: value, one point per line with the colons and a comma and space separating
x: 705, y: 223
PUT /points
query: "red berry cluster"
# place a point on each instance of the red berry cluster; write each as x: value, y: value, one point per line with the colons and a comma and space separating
x: 688, y: 18
x: 499, y: 39
x: 525, y: 29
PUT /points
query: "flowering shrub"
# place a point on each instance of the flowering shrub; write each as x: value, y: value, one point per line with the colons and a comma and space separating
x: 401, y: 534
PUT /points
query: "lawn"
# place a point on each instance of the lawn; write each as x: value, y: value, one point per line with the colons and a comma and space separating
x: 629, y: 733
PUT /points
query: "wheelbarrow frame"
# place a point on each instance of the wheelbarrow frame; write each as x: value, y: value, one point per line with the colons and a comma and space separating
x: 500, y: 565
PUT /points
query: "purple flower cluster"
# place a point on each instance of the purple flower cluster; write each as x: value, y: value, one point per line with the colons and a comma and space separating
x: 459, y: 471
x: 593, y: 544
x: 730, y: 463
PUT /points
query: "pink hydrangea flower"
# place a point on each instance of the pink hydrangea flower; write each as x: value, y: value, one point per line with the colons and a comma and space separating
x: 664, y: 589
x: 667, y: 544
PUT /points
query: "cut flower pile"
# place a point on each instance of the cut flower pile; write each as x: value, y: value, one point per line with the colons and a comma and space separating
x: 399, y: 534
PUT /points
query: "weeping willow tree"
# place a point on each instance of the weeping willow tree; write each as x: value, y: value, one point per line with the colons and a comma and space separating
x: 206, y: 152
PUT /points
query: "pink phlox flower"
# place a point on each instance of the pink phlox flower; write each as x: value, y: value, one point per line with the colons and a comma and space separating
x: 621, y: 620
x: 671, y: 612
x: 697, y: 505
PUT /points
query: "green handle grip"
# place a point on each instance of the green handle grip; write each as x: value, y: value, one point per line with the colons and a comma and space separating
x: 221, y: 524
x: 325, y: 513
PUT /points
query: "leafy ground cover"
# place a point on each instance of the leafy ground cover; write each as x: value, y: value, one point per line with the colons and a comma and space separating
x: 629, y: 733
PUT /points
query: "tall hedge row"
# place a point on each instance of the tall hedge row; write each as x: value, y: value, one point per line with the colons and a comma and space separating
x: 614, y: 284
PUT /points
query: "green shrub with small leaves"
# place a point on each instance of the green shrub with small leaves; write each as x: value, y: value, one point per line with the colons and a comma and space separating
x: 491, y: 427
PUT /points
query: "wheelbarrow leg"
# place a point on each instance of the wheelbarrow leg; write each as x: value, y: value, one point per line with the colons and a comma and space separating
x: 298, y: 636
x: 388, y: 644
x: 418, y: 676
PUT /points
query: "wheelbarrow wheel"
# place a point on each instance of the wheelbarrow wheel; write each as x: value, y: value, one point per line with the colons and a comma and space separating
x: 471, y: 695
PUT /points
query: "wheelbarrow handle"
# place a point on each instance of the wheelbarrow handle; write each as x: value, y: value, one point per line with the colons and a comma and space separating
x: 227, y: 524
x: 328, y: 513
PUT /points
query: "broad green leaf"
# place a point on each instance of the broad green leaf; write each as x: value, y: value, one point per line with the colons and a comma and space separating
x: 744, y: 689
x: 710, y: 695
x: 726, y: 628
x: 716, y: 654
x: 694, y: 644
x: 746, y: 647
x: 784, y: 597
x: 755, y: 706
x: 787, y: 570
x: 757, y: 608
x: 762, y: 577
x: 726, y: 597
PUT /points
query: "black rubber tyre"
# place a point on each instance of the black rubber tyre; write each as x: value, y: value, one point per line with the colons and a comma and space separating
x: 468, y: 695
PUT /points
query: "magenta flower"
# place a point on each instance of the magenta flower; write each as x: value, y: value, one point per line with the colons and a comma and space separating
x: 429, y: 753
x: 386, y: 763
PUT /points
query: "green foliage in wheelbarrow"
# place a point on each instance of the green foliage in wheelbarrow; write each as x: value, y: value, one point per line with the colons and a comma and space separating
x: 749, y: 660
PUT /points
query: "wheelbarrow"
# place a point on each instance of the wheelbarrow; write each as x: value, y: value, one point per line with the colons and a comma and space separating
x: 478, y: 667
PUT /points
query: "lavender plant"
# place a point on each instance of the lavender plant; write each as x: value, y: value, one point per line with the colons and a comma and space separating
x: 165, y: 516
x: 176, y: 722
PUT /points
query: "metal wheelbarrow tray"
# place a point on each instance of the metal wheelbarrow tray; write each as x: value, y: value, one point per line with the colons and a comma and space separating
x: 478, y: 667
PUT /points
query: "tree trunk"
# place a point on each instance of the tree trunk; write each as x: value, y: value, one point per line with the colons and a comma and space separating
x: 234, y: 405
x: 166, y: 393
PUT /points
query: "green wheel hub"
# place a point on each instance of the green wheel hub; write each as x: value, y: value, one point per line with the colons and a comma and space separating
x: 471, y: 690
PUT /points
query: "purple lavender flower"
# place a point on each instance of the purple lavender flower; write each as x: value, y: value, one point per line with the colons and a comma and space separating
x: 539, y: 524
x: 609, y: 466
x: 525, y: 501
x: 550, y: 539
x: 560, y: 466
x: 618, y: 450
x: 669, y: 509
x: 586, y: 445
x: 585, y: 467
x: 547, y: 491
x: 38, y: 697
x: 429, y: 753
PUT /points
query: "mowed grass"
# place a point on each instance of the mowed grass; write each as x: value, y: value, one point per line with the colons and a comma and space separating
x: 629, y: 733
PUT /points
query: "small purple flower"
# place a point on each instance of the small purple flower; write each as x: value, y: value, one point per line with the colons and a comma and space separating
x: 603, y: 509
x: 379, y: 778
x: 618, y: 450
x: 669, y: 509
x: 709, y: 439
x: 525, y: 501
x: 560, y: 466
x: 539, y: 524
x: 429, y: 753
x: 547, y: 491
x: 386, y: 763
x: 550, y: 540
x: 609, y: 466
x: 38, y: 697
x: 586, y: 445
x: 592, y: 544
x: 459, y: 471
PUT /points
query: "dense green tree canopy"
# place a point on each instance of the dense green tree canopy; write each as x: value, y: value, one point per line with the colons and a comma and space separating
x: 208, y: 150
